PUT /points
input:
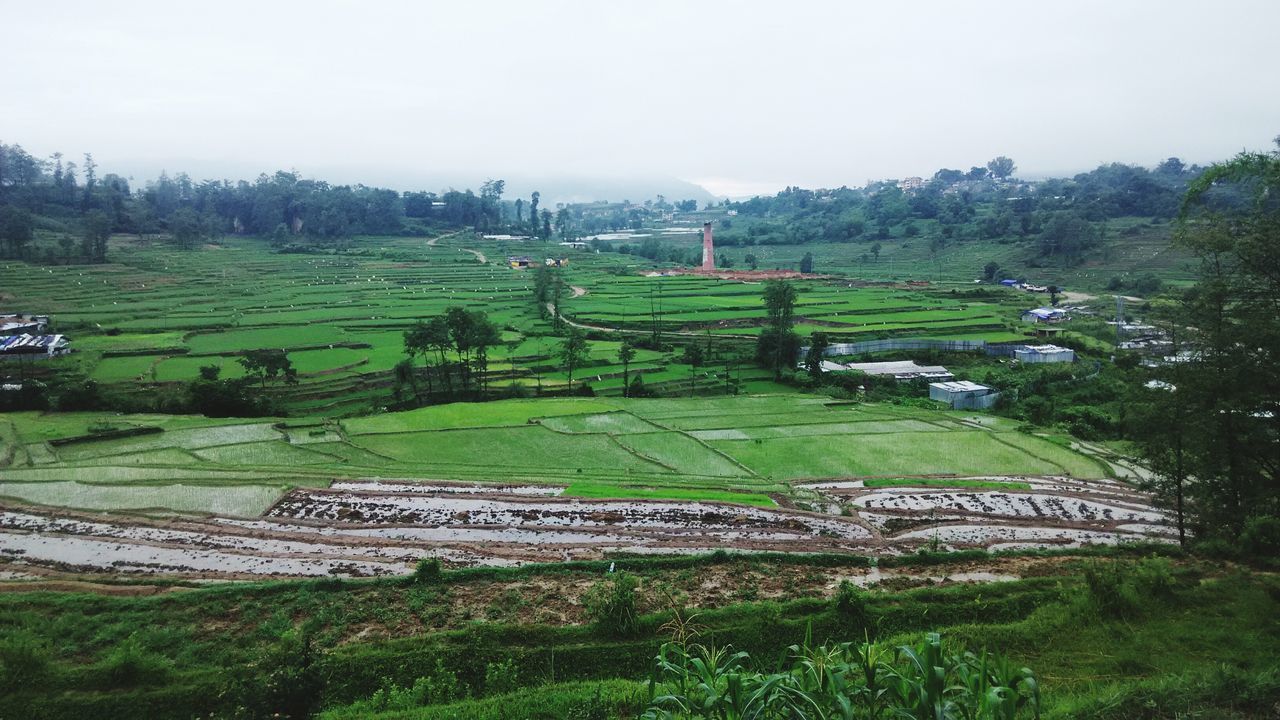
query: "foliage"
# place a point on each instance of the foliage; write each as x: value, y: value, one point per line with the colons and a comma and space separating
x: 612, y: 604
x: 842, y: 681
x: 427, y: 571
x: 1223, y: 400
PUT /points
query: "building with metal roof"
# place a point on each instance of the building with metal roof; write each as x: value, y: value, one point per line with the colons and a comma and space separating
x: 963, y: 395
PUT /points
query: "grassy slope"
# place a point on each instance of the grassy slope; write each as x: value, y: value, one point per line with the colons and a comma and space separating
x: 366, y: 631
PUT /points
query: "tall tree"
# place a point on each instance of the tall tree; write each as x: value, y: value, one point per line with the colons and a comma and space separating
x: 1001, y: 167
x: 693, y: 357
x: 533, y: 212
x: 97, y: 231
x: 626, y: 353
x: 778, y: 344
x: 264, y: 365
x: 818, y: 344
x: 1223, y: 416
x: 573, y: 351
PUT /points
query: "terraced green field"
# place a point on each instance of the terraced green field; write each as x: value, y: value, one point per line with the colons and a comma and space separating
x: 727, y: 307
x: 147, y: 322
x: 735, y: 449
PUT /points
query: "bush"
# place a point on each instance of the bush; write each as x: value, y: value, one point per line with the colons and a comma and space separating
x: 427, y: 572
x: 1261, y: 538
x: 129, y: 665
x: 851, y: 603
x: 611, y: 604
x: 501, y: 677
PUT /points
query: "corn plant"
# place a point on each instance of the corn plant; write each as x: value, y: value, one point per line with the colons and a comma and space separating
x: 844, y: 681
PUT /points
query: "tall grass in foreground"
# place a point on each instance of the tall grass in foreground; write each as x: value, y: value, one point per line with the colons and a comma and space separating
x: 846, y: 681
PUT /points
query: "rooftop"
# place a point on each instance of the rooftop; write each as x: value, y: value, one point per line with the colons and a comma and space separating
x: 959, y: 386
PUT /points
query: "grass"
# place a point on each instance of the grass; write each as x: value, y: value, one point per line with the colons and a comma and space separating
x: 945, y: 483
x: 1203, y: 645
x: 912, y: 453
x: 617, y: 491
x: 235, y: 500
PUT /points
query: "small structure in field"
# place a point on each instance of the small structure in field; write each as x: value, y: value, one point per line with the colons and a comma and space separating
x: 963, y: 395
x: 520, y: 262
x: 1045, y: 315
x: 34, y: 345
x: 899, y: 370
x: 19, y: 324
x: 1044, y: 354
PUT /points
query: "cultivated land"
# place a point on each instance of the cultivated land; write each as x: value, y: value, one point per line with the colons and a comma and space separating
x: 134, y: 565
x: 149, y: 319
x: 509, y: 482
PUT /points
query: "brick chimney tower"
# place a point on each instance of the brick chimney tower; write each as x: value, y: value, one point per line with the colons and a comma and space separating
x: 708, y: 249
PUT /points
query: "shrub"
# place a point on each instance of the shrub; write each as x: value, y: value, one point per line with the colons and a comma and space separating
x: 129, y: 664
x: 427, y: 572
x: 501, y: 677
x: 851, y: 603
x: 611, y: 604
x: 1261, y: 537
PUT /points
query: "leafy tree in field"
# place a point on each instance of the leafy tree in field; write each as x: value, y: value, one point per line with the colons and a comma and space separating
x: 97, y: 230
x: 693, y: 357
x: 990, y: 270
x: 264, y: 365
x: 533, y: 212
x: 563, y: 223
x: 752, y: 261
x: 484, y: 335
x: 67, y: 244
x: 626, y: 353
x: 1066, y: 236
x: 806, y: 263
x: 1001, y: 167
x: 778, y: 344
x: 573, y: 351
x: 545, y: 231
x: 818, y: 344
x: 875, y: 251
x: 186, y: 228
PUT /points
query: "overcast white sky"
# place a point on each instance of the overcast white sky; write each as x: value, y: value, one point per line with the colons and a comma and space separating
x: 738, y: 96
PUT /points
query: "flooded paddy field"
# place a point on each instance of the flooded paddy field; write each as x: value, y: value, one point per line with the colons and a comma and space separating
x: 371, y: 528
x: 515, y: 482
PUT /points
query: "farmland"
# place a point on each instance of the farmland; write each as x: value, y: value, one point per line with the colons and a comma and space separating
x: 510, y: 482
x: 145, y: 323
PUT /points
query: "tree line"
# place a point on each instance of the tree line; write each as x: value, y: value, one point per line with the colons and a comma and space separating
x: 1062, y: 219
x: 83, y: 208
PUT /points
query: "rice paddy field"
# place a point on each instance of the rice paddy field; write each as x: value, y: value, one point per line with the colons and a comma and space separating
x: 152, y: 317
x: 517, y: 481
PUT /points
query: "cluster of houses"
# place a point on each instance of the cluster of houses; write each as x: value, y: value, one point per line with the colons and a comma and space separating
x: 26, y: 336
x: 524, y: 262
x: 1025, y: 286
x: 959, y: 394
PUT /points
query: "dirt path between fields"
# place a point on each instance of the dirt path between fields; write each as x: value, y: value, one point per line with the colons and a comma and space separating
x: 578, y: 291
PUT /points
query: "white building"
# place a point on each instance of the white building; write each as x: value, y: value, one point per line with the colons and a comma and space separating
x: 1044, y: 354
x: 963, y: 395
x: 897, y: 369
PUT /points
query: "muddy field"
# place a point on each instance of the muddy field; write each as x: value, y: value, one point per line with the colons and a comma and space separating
x: 371, y: 528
